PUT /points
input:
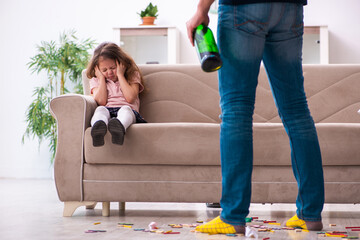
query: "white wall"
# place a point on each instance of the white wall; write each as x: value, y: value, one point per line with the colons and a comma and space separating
x: 343, y: 19
x: 25, y: 23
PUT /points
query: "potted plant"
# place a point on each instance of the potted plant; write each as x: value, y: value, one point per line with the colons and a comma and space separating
x: 149, y: 15
x: 63, y: 63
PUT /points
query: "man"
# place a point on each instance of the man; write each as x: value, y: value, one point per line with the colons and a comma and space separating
x: 251, y: 31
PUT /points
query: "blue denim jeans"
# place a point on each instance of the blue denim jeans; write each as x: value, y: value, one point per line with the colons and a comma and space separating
x: 247, y: 35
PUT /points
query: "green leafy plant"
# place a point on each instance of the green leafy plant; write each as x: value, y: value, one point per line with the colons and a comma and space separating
x: 150, y: 11
x: 63, y: 63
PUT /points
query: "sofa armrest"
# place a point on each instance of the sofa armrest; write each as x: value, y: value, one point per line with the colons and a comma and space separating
x: 73, y: 113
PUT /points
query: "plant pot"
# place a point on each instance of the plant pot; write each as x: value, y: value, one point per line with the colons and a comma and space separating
x: 148, y: 20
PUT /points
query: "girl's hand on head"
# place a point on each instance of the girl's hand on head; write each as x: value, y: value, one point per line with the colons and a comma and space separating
x: 99, y: 74
x: 120, y: 69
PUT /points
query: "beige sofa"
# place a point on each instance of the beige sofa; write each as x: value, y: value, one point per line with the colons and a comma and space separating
x: 175, y: 157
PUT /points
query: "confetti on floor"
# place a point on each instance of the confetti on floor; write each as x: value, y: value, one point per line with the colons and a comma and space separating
x: 253, y: 223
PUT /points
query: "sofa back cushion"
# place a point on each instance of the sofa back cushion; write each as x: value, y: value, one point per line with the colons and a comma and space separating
x: 333, y: 92
x: 179, y: 93
x: 184, y: 93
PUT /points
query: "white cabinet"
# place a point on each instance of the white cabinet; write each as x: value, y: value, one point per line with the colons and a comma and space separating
x: 160, y: 44
x: 149, y: 44
x: 316, y: 45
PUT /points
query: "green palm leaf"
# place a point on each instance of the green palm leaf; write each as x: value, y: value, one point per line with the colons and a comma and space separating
x: 63, y: 62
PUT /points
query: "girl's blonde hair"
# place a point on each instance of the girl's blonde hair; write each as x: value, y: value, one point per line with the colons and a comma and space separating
x: 112, y: 51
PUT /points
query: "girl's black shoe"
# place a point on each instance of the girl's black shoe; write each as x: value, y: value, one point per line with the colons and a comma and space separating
x: 98, y: 132
x: 117, y: 131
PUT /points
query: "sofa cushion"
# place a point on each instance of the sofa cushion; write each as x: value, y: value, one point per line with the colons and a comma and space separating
x: 159, y: 143
x: 187, y: 94
x: 198, y: 144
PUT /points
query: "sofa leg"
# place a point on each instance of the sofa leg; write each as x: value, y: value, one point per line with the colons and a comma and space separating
x: 91, y: 206
x: 71, y: 206
x: 121, y: 206
x: 106, y: 209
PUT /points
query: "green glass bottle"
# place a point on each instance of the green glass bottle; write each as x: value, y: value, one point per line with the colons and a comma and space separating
x: 207, y: 49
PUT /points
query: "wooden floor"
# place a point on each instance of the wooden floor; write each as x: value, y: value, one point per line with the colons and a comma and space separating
x: 30, y: 209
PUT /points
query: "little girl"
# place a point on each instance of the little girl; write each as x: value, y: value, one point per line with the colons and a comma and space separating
x: 115, y: 83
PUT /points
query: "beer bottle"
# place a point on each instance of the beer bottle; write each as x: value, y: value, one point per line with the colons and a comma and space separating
x: 207, y: 49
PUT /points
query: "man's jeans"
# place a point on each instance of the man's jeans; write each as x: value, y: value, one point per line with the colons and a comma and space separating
x: 247, y: 35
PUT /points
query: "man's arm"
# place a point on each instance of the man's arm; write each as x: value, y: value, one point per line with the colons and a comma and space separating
x: 200, y: 17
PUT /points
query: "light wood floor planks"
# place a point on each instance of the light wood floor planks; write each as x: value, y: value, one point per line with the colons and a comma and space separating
x: 30, y: 209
